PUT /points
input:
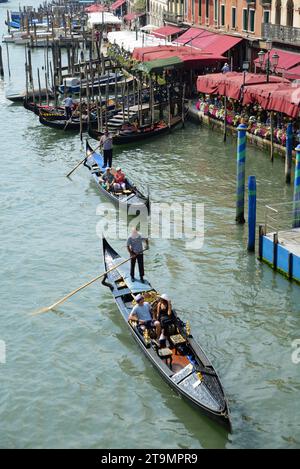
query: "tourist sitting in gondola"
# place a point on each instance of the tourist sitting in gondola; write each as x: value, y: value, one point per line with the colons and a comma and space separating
x: 141, y: 313
x: 120, y: 180
x: 164, y: 315
x: 107, y: 179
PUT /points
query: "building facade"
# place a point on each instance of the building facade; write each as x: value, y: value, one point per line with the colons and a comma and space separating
x: 241, y: 17
x: 157, y: 11
x: 285, y: 23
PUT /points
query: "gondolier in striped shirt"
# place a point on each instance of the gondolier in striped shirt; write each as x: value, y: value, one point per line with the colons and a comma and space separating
x: 135, y: 248
x: 107, y: 145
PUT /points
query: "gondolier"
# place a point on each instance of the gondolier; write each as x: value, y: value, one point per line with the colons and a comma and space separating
x: 68, y: 102
x: 135, y: 248
x: 107, y: 145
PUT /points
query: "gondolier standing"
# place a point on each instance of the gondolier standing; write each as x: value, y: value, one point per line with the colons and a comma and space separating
x: 68, y: 102
x: 135, y: 248
x: 106, y: 144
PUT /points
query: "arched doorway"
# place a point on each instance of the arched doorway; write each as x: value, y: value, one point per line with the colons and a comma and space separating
x: 278, y: 12
x: 290, y: 13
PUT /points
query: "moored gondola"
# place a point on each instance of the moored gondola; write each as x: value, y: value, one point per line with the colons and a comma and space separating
x: 185, y: 367
x: 70, y: 125
x: 130, y: 198
x: 124, y: 137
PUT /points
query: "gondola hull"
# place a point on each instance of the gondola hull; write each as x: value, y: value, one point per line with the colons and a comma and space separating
x: 197, y: 381
x: 123, y: 138
x: 133, y: 200
x: 73, y: 125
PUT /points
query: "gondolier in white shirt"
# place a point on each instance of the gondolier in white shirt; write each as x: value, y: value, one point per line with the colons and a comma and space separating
x: 107, y: 146
x: 68, y: 102
x: 135, y: 248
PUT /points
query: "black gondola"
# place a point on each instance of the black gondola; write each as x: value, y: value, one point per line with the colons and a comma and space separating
x: 188, y: 370
x: 71, y: 125
x: 131, y: 198
x: 124, y: 137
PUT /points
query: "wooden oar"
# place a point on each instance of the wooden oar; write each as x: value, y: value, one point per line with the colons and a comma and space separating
x: 80, y: 163
x: 62, y: 300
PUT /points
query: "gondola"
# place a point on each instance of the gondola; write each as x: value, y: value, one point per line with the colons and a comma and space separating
x: 44, y: 109
x: 70, y: 125
x: 131, y: 199
x: 142, y: 133
x: 185, y: 367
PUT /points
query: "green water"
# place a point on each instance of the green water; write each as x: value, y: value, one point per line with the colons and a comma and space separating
x: 75, y: 378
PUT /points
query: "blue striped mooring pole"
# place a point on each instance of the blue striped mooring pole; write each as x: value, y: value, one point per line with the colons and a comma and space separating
x: 240, y: 183
x: 288, y: 153
x: 251, y: 213
x: 296, y: 205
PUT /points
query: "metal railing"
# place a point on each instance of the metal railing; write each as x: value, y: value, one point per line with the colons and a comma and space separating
x: 280, y: 33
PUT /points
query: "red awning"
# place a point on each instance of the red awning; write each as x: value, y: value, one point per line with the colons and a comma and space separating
x: 95, y: 8
x: 117, y: 4
x: 231, y: 84
x: 189, y: 35
x: 132, y: 16
x: 286, y: 101
x: 286, y: 60
x: 260, y: 94
x: 223, y: 43
x: 191, y: 57
x: 166, y: 31
x: 293, y: 73
x: 208, y: 41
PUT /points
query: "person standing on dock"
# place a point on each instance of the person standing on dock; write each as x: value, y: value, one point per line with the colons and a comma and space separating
x: 107, y: 146
x: 135, y: 248
x: 68, y: 102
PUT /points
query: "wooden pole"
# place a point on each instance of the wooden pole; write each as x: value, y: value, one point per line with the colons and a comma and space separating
x: 225, y: 119
x: 1, y: 63
x: 39, y: 84
x: 8, y: 64
x: 80, y: 104
x: 272, y: 135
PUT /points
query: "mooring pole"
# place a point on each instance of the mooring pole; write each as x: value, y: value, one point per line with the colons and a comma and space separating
x: 240, y: 176
x: 296, y: 204
x: 288, y: 153
x: 251, y: 213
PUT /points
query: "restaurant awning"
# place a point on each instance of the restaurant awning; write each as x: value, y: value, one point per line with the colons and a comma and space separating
x: 286, y: 101
x: 223, y: 43
x: 231, y: 84
x: 132, y: 16
x: 208, y: 41
x: 95, y: 8
x: 189, y: 58
x: 166, y: 31
x: 117, y: 4
x: 261, y: 93
x: 293, y: 73
x: 286, y: 61
x: 160, y: 64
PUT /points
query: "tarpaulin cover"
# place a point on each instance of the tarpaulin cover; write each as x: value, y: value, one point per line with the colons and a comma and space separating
x: 286, y: 60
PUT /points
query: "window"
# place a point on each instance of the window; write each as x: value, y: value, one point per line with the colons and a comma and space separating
x: 233, y: 17
x: 200, y: 8
x: 222, y: 15
x: 267, y: 16
x: 216, y: 12
x: 207, y: 8
x: 245, y: 19
x: 252, y: 20
x: 193, y: 8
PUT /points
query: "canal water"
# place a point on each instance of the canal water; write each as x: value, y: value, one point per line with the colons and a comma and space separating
x: 74, y: 377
